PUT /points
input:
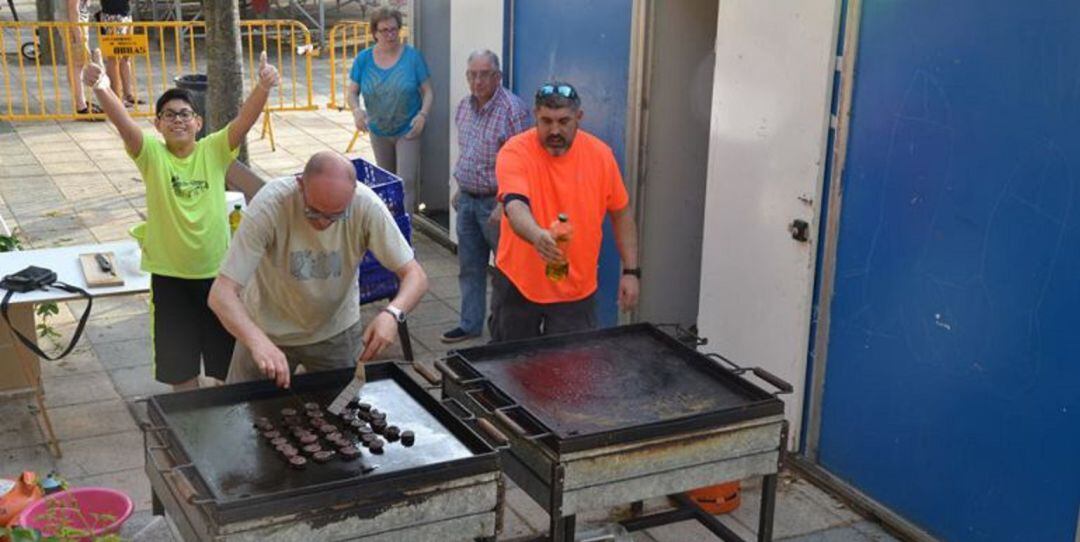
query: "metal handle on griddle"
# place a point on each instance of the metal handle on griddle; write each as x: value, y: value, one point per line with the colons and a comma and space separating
x: 493, y: 432
x: 775, y: 381
x: 510, y: 424
x: 447, y: 372
x: 428, y: 374
x: 183, y: 485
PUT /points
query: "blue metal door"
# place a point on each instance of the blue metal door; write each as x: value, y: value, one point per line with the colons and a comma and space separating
x: 587, y: 44
x: 952, y: 388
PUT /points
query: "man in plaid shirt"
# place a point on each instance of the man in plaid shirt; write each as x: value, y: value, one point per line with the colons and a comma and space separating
x: 485, y: 119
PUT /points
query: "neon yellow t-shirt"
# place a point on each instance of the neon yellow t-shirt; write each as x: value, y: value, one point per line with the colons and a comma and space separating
x: 187, y: 228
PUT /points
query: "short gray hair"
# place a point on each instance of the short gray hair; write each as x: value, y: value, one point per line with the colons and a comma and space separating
x: 491, y: 56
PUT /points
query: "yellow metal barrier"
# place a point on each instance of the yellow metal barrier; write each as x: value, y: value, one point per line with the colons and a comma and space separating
x: 40, y: 88
x: 347, y: 39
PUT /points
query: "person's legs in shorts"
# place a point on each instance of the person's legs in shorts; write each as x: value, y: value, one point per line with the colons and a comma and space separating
x: 175, y: 332
x: 215, y: 342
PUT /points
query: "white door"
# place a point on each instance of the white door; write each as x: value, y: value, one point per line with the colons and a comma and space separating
x: 770, y: 117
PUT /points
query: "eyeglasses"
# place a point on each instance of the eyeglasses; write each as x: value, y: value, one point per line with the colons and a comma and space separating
x: 566, y: 91
x: 391, y: 30
x: 170, y: 115
x: 312, y: 214
x: 472, y: 76
x: 315, y: 214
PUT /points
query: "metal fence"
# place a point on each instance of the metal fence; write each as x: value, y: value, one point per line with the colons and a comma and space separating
x: 39, y: 82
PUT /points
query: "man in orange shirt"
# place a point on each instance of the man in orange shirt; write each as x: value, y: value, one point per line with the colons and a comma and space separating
x: 549, y: 170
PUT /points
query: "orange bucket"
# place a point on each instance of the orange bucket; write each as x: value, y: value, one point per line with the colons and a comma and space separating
x: 718, y: 499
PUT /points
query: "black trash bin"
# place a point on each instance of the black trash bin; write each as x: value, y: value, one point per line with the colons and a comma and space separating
x: 196, y: 84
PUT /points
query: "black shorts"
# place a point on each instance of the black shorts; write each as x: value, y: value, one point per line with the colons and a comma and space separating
x: 184, y: 331
x: 514, y: 317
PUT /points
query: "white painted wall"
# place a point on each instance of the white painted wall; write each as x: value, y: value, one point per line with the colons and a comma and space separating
x: 474, y: 24
x: 772, y: 85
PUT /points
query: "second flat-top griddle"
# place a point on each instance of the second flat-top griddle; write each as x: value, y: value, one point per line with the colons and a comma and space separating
x: 586, y: 390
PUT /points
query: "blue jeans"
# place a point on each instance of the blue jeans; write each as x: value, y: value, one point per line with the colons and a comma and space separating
x: 477, y: 238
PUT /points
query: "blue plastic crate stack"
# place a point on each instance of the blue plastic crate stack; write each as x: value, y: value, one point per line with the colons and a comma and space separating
x: 377, y: 282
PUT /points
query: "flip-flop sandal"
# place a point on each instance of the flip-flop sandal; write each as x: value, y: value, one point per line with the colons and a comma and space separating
x: 89, y: 110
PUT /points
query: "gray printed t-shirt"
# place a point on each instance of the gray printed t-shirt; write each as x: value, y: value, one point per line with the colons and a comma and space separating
x: 305, y: 281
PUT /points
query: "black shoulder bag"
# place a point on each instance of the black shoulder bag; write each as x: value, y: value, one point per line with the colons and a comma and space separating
x: 38, y: 278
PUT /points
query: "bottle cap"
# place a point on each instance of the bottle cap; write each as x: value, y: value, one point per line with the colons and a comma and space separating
x: 563, y: 217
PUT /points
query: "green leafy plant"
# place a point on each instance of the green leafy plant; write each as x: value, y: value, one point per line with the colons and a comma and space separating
x: 44, y: 311
x: 67, y: 521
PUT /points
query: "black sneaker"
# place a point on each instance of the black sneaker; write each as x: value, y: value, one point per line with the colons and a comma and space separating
x: 456, y: 335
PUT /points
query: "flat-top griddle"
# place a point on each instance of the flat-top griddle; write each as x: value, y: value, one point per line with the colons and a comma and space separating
x: 233, y: 469
x: 586, y: 390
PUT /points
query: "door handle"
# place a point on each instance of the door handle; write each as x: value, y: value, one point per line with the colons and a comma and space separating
x: 800, y: 230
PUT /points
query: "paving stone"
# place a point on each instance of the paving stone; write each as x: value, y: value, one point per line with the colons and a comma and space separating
x: 136, y: 382
x: 90, y: 419
x: 21, y: 159
x: 81, y: 360
x: 433, y: 312
x: 25, y: 170
x: 78, y: 389
x: 694, y: 530
x: 444, y: 287
x: 130, y: 353
x: 101, y: 331
x: 19, y: 424
x: 441, y: 267
x: 873, y: 531
x: 101, y: 454
x: 802, y: 515
x: 34, y: 458
x: 133, y: 482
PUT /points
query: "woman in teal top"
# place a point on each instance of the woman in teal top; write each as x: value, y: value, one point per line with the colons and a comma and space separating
x: 394, y: 81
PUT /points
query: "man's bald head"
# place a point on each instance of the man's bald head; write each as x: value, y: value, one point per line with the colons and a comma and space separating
x: 329, y: 183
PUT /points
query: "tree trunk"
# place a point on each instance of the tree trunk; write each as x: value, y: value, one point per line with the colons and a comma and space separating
x: 223, y: 65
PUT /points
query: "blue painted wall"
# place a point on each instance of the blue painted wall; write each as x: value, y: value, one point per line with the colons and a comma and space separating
x: 952, y: 389
x: 587, y: 44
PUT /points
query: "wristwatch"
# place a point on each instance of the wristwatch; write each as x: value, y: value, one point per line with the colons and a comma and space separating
x: 636, y: 271
x: 397, y: 313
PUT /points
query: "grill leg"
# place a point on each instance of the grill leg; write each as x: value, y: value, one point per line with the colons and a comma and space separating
x: 156, y: 508
x: 768, y: 508
x: 563, y: 528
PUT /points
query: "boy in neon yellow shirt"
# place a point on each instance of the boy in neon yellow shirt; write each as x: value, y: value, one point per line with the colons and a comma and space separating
x: 187, y: 230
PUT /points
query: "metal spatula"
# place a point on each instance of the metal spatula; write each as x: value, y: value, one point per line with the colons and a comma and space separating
x: 350, y: 393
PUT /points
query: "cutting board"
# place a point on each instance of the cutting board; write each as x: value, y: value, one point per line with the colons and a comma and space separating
x: 95, y: 277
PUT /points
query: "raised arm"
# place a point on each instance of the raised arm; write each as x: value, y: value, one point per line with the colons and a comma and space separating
x: 93, y: 75
x: 225, y: 301
x: 254, y: 104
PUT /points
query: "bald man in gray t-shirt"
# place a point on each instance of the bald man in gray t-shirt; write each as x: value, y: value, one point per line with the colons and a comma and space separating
x: 288, y: 289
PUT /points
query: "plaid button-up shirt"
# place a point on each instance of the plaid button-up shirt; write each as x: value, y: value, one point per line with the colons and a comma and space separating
x: 481, y: 133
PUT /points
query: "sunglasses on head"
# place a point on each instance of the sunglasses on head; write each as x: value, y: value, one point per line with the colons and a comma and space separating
x: 566, y: 91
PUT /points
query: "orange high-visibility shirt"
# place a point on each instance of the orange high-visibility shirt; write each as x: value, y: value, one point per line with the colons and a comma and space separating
x: 584, y: 183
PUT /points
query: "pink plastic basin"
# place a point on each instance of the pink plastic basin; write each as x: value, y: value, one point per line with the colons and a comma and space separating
x: 83, y: 512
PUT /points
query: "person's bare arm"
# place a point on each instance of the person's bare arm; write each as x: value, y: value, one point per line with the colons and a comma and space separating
x: 225, y: 301
x: 254, y: 104
x: 626, y: 241
x: 382, y: 330
x: 242, y: 178
x: 93, y: 75
x: 427, y: 95
x: 358, y: 111
x: 525, y: 226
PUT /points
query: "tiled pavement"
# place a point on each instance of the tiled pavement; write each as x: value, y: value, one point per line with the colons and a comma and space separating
x: 65, y: 183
